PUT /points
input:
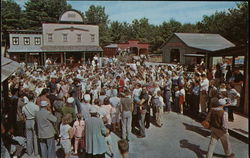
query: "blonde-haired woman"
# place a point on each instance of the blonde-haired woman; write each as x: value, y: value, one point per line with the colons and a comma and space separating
x: 66, y: 134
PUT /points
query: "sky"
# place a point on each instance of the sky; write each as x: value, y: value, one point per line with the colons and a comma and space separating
x: 156, y: 11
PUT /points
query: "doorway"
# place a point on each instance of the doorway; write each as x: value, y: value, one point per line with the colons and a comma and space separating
x: 175, y: 55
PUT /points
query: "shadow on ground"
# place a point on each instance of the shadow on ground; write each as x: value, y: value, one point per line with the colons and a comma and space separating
x: 196, y: 149
x: 241, y: 130
x: 197, y: 129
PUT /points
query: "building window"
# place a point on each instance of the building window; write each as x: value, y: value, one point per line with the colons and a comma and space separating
x: 26, y: 40
x: 92, y: 37
x: 15, y: 40
x: 79, y: 37
x: 50, y: 37
x: 65, y: 37
x: 37, y: 40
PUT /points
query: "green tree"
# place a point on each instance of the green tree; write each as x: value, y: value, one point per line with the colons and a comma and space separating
x: 168, y: 28
x: 11, y: 19
x: 96, y: 15
x: 38, y: 12
x: 189, y: 28
x: 10, y: 15
x: 232, y: 24
x: 142, y: 29
x: 120, y: 32
x: 116, y: 31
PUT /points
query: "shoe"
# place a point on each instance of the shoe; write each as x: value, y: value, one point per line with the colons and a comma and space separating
x: 74, y: 153
x: 140, y: 136
x: 111, y: 155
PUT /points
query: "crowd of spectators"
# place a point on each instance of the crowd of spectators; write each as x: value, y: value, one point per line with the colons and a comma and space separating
x: 78, y: 106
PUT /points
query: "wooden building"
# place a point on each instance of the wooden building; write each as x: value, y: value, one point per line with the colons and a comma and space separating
x: 132, y: 46
x: 190, y: 48
x: 235, y: 54
x: 69, y: 38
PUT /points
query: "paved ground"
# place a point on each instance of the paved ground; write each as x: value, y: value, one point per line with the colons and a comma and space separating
x: 240, y: 125
x: 180, y: 137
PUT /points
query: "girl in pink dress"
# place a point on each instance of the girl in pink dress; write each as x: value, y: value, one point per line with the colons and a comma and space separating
x: 79, y: 134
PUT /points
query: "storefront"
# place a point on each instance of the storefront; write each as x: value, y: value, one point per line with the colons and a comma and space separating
x: 235, y: 57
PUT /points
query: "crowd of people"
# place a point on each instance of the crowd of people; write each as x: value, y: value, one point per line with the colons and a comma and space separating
x: 78, y: 106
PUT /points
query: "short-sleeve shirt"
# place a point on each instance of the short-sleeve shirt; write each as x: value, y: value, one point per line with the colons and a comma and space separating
x: 126, y: 103
x: 64, y: 131
x: 146, y: 98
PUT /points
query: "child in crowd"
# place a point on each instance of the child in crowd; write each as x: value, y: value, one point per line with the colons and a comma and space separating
x: 108, y: 140
x: 176, y: 98
x: 66, y: 134
x: 78, y: 128
x: 123, y: 147
x: 181, y: 97
x: 159, y: 109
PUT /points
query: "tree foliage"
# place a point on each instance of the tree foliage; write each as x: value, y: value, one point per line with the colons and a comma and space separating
x: 231, y: 24
x: 10, y: 15
x: 38, y: 12
x: 96, y: 15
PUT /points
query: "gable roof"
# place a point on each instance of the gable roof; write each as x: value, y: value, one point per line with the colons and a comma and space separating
x: 210, y: 42
x: 8, y: 67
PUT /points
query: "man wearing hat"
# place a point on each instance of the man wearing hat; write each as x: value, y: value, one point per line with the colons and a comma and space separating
x: 94, y: 134
x: 218, y: 120
x: 85, y: 106
x: 46, y: 131
x: 69, y: 108
x: 29, y: 111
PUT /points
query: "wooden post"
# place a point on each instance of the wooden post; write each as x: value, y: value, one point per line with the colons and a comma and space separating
x: 245, y: 85
x: 44, y: 58
x: 64, y: 53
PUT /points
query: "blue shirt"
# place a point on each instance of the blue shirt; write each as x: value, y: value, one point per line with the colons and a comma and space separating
x: 196, y: 90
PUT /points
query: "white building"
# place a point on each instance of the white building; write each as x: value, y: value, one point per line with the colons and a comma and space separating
x: 70, y: 38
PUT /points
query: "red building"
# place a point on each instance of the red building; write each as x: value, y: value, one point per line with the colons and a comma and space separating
x: 132, y: 46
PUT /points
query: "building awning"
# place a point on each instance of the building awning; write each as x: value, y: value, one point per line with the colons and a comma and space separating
x: 21, y: 49
x: 72, y: 49
x: 194, y: 55
x: 8, y: 67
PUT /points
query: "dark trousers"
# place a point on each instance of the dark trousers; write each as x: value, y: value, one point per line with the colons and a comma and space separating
x: 195, y: 104
x: 95, y: 156
x: 147, y: 119
x: 20, y: 128
x: 230, y: 109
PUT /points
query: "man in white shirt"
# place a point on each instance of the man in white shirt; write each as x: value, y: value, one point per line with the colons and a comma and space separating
x: 115, y: 103
x: 204, y: 84
x: 29, y: 111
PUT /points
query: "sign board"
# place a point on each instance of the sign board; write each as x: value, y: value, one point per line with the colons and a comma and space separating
x: 34, y: 53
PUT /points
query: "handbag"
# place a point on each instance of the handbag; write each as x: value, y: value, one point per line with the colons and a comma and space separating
x: 205, y: 124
